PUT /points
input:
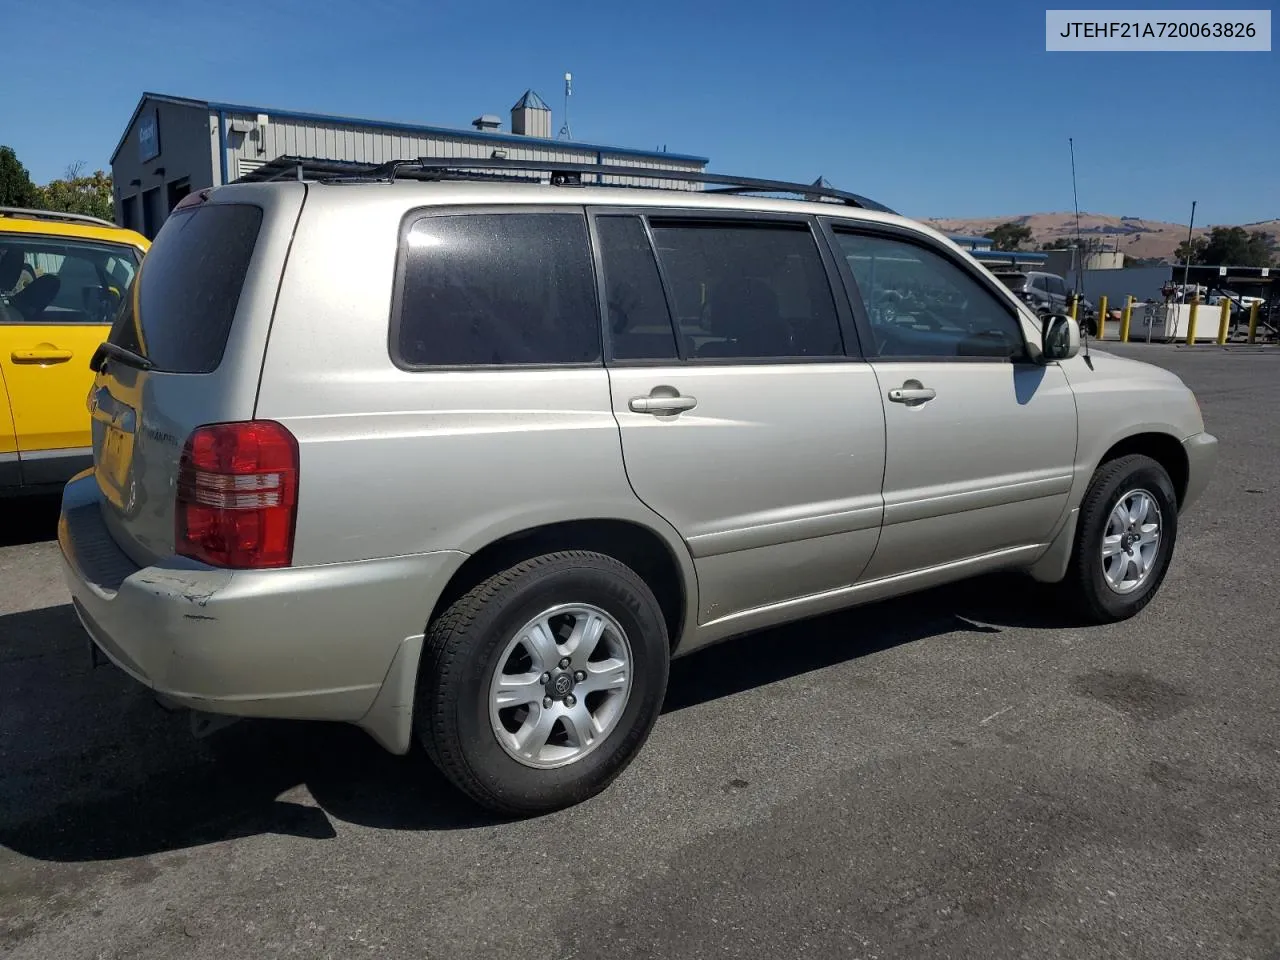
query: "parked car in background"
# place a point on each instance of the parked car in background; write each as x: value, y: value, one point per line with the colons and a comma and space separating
x: 469, y: 462
x: 1048, y: 293
x: 62, y: 279
x: 1240, y: 302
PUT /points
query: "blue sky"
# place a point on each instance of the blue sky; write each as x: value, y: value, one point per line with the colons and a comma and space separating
x: 935, y: 108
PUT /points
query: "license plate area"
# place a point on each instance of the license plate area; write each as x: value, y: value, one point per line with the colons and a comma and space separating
x: 115, y: 423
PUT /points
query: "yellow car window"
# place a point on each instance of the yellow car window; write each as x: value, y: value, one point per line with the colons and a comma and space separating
x: 63, y: 279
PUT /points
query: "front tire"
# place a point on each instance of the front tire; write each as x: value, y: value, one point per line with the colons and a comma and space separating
x: 1124, y: 539
x: 541, y: 684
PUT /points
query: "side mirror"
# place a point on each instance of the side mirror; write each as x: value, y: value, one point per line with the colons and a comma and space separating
x: 1061, y: 337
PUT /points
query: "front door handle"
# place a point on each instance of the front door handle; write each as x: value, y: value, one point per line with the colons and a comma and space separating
x: 41, y: 355
x: 660, y: 405
x: 915, y: 394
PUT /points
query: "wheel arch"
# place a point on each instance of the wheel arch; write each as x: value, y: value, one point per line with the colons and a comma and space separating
x: 1164, y: 448
x: 665, y: 566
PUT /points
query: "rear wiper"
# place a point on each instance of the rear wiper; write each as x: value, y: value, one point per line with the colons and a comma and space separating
x: 116, y: 352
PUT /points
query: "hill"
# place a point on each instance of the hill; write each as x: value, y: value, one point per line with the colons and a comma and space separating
x: 1132, y: 236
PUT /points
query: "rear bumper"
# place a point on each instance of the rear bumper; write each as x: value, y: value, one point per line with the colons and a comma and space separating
x: 1202, y: 458
x: 307, y: 642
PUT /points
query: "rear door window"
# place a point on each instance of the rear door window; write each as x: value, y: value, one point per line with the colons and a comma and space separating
x: 500, y: 289
x: 748, y: 290
x: 183, y: 301
x: 639, y: 321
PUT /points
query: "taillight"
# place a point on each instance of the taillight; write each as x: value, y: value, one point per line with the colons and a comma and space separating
x: 238, y: 495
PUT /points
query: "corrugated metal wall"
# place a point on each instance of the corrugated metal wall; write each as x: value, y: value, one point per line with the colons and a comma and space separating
x: 369, y: 144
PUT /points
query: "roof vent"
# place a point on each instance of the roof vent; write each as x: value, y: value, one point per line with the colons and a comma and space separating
x: 488, y: 122
x: 531, y: 117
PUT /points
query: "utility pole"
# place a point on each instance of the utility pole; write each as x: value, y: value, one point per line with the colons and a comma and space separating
x: 1186, y: 267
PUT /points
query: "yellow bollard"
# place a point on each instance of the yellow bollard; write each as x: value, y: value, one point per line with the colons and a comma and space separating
x: 1125, y: 318
x: 1102, y: 318
x: 1191, y: 321
x: 1224, y: 321
x: 1072, y: 311
x: 1253, y: 321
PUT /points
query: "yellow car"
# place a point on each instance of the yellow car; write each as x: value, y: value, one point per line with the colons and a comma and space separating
x: 62, y: 277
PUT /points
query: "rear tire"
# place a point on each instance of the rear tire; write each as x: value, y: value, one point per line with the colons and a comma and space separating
x: 1122, y: 553
x: 486, y: 725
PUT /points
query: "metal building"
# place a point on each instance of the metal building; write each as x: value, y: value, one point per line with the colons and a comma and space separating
x: 173, y: 145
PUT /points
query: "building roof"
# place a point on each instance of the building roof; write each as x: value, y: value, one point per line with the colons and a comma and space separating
x: 531, y: 101
x: 1011, y: 256
x: 508, y: 138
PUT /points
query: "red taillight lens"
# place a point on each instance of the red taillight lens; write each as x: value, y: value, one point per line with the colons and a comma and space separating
x: 237, y: 495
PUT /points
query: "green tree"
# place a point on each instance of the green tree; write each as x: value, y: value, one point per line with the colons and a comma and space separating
x: 16, y: 188
x: 77, y: 193
x: 1230, y: 247
x: 1009, y: 235
x: 1192, y: 253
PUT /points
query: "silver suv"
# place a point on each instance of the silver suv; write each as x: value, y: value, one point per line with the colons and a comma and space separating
x: 468, y: 462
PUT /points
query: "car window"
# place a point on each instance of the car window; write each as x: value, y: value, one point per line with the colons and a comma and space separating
x: 1017, y: 282
x: 497, y: 289
x: 921, y: 304
x: 1057, y: 287
x: 63, y: 280
x: 639, y: 323
x: 748, y: 290
x: 189, y: 287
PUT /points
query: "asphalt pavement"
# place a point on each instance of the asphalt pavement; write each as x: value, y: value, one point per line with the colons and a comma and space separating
x: 959, y: 774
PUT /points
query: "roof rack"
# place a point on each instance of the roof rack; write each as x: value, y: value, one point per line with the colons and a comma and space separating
x: 561, y: 174
x: 54, y: 215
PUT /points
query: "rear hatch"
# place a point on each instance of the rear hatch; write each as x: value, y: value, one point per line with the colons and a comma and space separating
x: 1017, y: 282
x: 185, y: 350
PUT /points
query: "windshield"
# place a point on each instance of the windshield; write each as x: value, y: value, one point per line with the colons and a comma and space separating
x: 63, y: 279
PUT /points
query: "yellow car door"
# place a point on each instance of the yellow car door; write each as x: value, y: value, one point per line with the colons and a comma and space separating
x: 49, y: 330
x: 9, y: 474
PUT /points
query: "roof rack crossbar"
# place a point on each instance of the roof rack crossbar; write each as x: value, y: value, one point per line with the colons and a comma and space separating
x: 54, y: 215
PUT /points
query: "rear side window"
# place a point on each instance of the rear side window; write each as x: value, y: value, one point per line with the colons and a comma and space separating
x: 639, y: 322
x: 750, y: 290
x: 495, y: 290
x: 179, y: 310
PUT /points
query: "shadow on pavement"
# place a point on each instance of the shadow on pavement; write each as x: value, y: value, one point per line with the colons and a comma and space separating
x: 94, y: 769
x: 29, y: 519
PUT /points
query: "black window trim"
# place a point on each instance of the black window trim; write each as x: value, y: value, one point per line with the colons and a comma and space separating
x: 418, y: 213
x: 849, y: 334
x: 832, y: 226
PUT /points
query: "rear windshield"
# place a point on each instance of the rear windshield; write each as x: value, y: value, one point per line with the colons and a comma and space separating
x: 1017, y: 282
x: 181, y: 305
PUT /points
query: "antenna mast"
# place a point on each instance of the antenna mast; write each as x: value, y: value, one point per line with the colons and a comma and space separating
x: 1076, y: 202
x: 565, y: 132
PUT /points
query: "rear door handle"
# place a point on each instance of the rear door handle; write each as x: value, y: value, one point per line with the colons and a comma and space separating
x: 660, y: 405
x: 41, y: 356
x: 912, y: 394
